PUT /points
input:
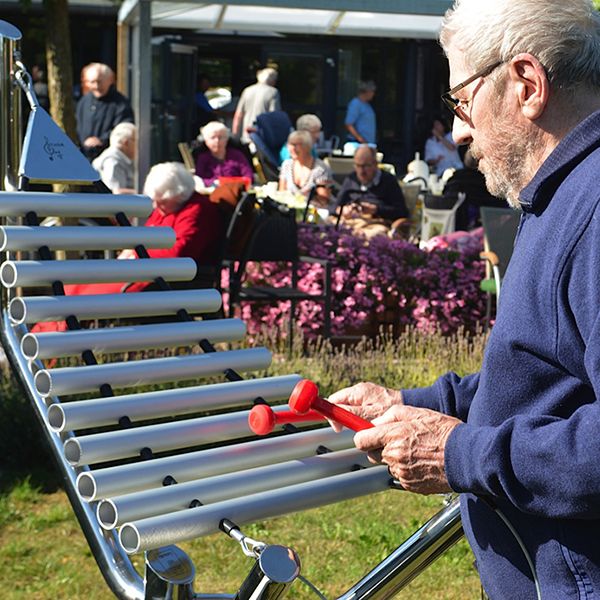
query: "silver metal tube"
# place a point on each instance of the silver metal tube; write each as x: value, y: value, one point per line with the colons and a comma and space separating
x: 114, y: 564
x: 125, y: 443
x: 138, y: 337
x: 11, y: 138
x: 124, y: 479
x: 84, y: 238
x: 103, y: 306
x: 73, y: 205
x: 113, y: 512
x: 99, y: 412
x: 26, y: 273
x: 423, y: 547
x: 73, y: 380
x: 154, y: 532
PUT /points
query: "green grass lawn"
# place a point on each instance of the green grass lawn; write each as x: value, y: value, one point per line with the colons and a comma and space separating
x: 43, y: 554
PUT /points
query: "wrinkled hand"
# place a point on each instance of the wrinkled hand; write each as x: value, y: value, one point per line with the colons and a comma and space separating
x: 367, y: 400
x: 411, y: 441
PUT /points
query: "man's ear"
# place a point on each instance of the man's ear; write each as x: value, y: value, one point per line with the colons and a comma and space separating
x: 531, y: 84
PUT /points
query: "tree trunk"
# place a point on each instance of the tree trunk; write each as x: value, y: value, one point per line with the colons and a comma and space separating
x: 60, y: 66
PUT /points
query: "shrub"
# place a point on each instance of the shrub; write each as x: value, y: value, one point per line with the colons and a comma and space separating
x: 378, y: 282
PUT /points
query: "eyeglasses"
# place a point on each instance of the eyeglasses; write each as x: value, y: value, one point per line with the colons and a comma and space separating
x: 458, y: 107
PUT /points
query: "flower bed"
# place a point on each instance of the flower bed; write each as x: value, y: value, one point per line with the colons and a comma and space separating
x: 379, y: 282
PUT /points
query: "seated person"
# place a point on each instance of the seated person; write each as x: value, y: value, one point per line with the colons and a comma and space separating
x: 471, y: 182
x: 219, y: 159
x: 310, y: 123
x: 115, y: 164
x: 369, y: 191
x: 441, y: 152
x: 303, y: 173
x: 198, y: 224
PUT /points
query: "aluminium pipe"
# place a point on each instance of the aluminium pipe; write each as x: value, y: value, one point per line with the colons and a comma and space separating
x: 113, y: 512
x: 18, y: 204
x: 26, y: 273
x: 137, y: 337
x: 84, y: 238
x: 104, y: 306
x: 125, y: 443
x: 124, y: 479
x: 98, y: 412
x: 73, y: 380
x: 182, y: 525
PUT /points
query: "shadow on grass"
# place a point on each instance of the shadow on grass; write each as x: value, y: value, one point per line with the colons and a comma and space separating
x: 23, y: 447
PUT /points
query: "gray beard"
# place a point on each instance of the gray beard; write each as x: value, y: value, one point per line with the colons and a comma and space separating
x: 514, y: 164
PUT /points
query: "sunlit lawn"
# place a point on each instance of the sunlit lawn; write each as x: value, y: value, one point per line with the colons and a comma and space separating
x: 43, y: 554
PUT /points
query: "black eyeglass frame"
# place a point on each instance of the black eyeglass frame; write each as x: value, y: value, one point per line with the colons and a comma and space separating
x: 453, y: 104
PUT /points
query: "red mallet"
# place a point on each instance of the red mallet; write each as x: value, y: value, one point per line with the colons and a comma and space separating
x: 262, y: 419
x: 305, y: 396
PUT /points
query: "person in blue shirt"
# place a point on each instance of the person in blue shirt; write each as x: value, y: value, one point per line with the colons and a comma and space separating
x: 360, y: 121
x: 519, y: 439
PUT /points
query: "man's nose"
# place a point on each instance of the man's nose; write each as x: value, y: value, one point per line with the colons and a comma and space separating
x: 461, y: 132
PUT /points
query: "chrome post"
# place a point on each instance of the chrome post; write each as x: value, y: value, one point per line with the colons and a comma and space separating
x: 276, y: 568
x: 412, y: 557
x: 169, y: 574
x: 10, y: 107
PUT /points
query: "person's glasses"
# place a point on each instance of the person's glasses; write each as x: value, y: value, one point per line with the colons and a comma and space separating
x: 458, y: 107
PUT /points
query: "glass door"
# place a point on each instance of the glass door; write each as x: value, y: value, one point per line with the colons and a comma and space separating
x: 173, y: 89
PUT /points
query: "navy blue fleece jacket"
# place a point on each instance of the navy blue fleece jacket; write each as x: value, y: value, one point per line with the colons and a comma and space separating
x: 530, y: 441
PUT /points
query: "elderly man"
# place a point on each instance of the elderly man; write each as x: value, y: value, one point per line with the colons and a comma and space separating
x: 255, y: 100
x: 370, y: 191
x: 115, y: 164
x: 100, y: 110
x: 519, y: 440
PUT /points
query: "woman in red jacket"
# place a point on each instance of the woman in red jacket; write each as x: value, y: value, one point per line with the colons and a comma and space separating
x: 198, y: 224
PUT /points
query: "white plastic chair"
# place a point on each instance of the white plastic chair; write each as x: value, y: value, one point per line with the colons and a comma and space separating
x: 437, y: 221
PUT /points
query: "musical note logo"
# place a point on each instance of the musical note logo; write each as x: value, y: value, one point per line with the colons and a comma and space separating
x: 53, y: 149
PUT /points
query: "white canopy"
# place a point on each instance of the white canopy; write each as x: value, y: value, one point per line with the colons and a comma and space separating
x: 282, y: 19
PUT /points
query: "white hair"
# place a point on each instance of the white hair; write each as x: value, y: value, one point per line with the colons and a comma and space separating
x: 308, y: 122
x: 103, y: 70
x: 267, y: 75
x: 301, y: 136
x: 366, y: 86
x: 122, y: 133
x: 564, y: 35
x: 213, y: 127
x: 169, y: 180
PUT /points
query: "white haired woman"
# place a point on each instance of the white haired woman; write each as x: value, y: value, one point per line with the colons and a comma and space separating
x: 115, y: 164
x: 198, y: 224
x: 307, y: 122
x: 303, y: 172
x: 220, y: 160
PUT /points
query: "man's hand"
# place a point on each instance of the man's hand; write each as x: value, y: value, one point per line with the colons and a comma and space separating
x: 411, y: 441
x: 367, y: 400
x: 368, y: 209
x: 92, y: 142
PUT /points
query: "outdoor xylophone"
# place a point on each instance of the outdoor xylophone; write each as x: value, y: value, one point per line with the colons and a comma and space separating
x: 148, y: 468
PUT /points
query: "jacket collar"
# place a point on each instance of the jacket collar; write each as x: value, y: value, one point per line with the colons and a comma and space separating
x: 572, y: 149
